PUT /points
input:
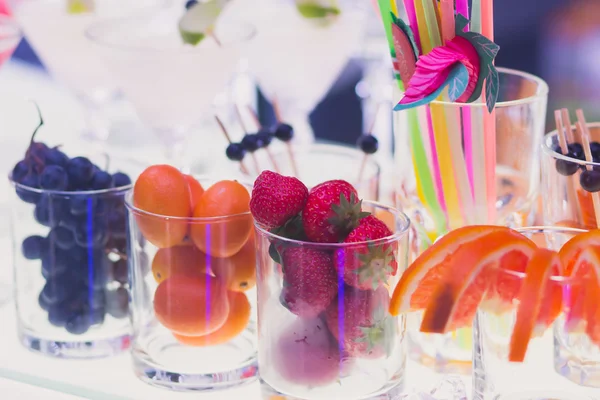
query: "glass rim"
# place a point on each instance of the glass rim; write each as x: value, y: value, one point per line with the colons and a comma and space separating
x: 70, y: 193
x: 396, y: 235
x: 138, y: 211
x: 94, y: 33
x: 335, y: 149
x: 14, y: 30
x: 548, y: 150
x: 547, y: 229
x: 542, y: 92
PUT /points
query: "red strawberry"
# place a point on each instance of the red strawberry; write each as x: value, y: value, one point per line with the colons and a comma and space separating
x: 309, y: 281
x: 367, y: 266
x: 276, y: 199
x: 365, y: 329
x: 331, y: 211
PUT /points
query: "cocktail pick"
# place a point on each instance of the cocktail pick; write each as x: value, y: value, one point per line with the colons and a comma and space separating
x: 265, y: 135
x: 368, y: 144
x: 564, y: 148
x: 235, y: 151
x: 568, y: 127
x: 285, y: 133
x: 250, y: 141
x: 589, y: 173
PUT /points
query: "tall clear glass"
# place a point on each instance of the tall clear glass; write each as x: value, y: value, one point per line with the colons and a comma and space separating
x: 193, y: 311
x: 70, y: 268
x: 458, y: 165
x: 318, y: 162
x: 536, y: 377
x: 320, y: 338
x: 567, y: 203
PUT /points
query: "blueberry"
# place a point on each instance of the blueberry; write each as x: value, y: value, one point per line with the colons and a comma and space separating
x: 91, y: 233
x: 30, y: 181
x: 94, y: 274
x: 56, y: 157
x: 102, y: 180
x: 190, y: 3
x: 566, y: 168
x: 120, y: 271
x: 251, y: 142
x: 58, y: 315
x: 576, y: 151
x: 235, y: 152
x: 33, y: 247
x: 284, y: 132
x: 56, y: 263
x: 265, y: 135
x: 54, y: 292
x: 54, y: 177
x: 368, y: 143
x: 117, y: 302
x: 20, y: 170
x: 43, y: 302
x: 80, y: 170
x: 70, y: 221
x: 49, y: 211
x: 78, y: 324
x: 595, y: 149
x: 117, y: 223
x: 62, y: 237
x: 92, y: 299
x: 96, y: 316
x: 120, y: 179
x: 82, y: 205
x: 590, y: 180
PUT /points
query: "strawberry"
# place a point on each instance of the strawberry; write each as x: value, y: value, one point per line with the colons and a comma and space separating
x: 367, y: 266
x: 365, y: 329
x: 309, y: 281
x: 331, y: 211
x: 276, y: 199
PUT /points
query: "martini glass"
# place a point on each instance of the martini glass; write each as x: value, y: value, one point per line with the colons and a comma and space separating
x: 296, y: 60
x: 171, y: 85
x: 57, y: 37
x: 10, y: 35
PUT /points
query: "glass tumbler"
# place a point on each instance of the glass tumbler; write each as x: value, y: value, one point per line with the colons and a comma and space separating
x: 193, y: 311
x: 567, y: 203
x: 495, y: 376
x: 458, y: 165
x: 70, y: 269
x: 323, y: 334
x: 319, y: 162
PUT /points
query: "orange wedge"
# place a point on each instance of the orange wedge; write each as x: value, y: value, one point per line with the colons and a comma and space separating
x: 592, y: 308
x: 573, y: 247
x: 423, y: 275
x: 586, y: 206
x: 468, y: 275
x: 541, y: 267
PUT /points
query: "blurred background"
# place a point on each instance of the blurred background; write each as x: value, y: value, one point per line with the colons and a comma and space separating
x: 558, y: 40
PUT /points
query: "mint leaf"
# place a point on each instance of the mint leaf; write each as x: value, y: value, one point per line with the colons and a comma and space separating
x: 492, y: 87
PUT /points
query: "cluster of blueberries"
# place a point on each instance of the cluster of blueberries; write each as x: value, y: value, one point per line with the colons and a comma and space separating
x: 589, y: 179
x: 83, y: 256
x: 254, y: 141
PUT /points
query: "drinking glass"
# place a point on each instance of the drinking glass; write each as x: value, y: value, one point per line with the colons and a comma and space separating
x: 566, y: 203
x: 319, y: 336
x: 459, y: 165
x: 205, y: 282
x: 537, y: 377
x: 319, y: 162
x: 171, y: 85
x: 70, y: 268
x: 58, y: 38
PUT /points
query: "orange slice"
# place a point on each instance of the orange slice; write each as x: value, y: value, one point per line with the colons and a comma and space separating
x: 541, y: 267
x: 586, y: 206
x: 472, y: 269
x: 583, y: 265
x: 423, y: 275
x: 571, y: 250
x: 592, y: 308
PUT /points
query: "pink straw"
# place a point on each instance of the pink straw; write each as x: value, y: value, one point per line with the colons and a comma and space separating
x: 411, y: 13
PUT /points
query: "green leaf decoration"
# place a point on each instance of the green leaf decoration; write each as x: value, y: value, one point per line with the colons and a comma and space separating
x: 487, y: 51
x: 459, y: 82
x: 492, y: 87
x: 408, y: 32
x: 311, y: 10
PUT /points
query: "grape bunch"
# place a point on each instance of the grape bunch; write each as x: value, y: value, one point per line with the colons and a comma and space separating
x: 83, y: 255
